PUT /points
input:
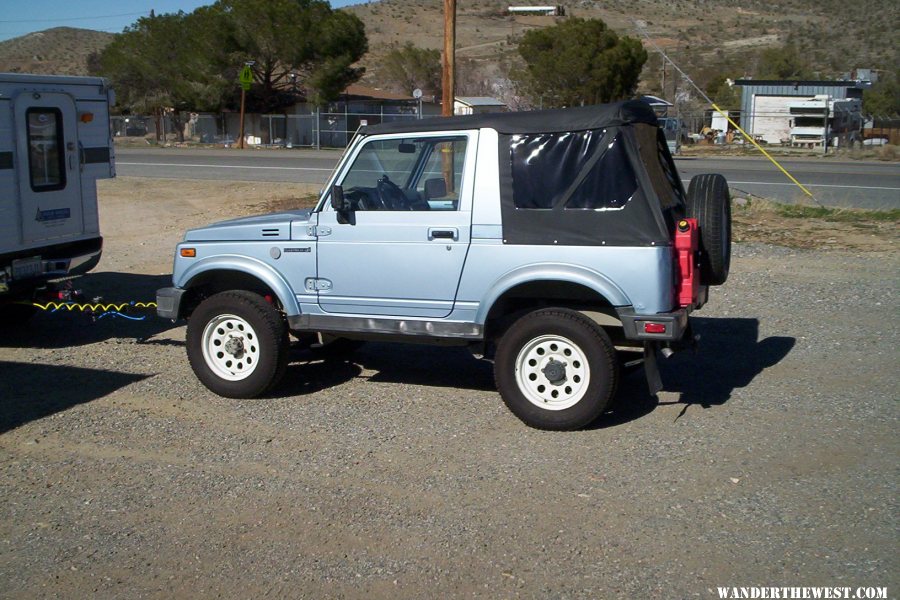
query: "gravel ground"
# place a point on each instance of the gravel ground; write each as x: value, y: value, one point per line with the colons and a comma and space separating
x: 770, y: 458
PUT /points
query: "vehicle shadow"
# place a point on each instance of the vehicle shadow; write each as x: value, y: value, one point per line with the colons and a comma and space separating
x: 62, y: 328
x: 307, y: 374
x: 391, y: 363
x: 30, y: 391
x: 729, y: 356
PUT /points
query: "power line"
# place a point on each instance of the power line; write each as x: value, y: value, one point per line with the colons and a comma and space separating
x: 146, y: 12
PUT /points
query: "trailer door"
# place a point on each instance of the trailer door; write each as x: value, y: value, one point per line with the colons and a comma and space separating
x: 47, y: 166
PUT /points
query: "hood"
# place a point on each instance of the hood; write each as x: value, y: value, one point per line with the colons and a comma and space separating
x: 261, y: 227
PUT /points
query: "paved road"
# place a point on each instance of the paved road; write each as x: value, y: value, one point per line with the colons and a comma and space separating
x: 835, y: 183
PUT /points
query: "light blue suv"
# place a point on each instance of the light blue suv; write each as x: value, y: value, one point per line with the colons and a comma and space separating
x: 555, y: 243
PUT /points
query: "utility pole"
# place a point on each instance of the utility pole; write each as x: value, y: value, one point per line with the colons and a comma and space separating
x: 448, y: 62
x: 448, y: 86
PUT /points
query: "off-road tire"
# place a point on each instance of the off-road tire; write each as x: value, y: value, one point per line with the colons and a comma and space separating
x: 709, y: 201
x: 267, y: 344
x: 566, y: 337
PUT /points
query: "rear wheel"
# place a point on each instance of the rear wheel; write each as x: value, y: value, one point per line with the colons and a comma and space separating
x: 237, y: 344
x: 556, y: 369
x: 709, y: 201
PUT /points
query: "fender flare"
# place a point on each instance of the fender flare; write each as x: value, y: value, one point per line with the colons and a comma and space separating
x: 551, y: 272
x: 250, y: 266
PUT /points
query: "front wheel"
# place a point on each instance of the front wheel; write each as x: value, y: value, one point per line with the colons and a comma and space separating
x: 556, y: 369
x: 237, y: 344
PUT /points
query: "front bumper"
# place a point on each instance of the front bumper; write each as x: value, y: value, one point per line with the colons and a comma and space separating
x: 675, y: 325
x: 168, y: 302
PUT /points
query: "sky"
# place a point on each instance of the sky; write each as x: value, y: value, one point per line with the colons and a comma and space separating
x: 20, y: 17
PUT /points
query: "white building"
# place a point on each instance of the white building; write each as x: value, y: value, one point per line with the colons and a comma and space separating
x: 476, y: 105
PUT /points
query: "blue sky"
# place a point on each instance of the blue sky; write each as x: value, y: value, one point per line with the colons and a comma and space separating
x: 19, y: 17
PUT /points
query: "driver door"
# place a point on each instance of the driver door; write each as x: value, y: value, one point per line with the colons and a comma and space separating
x: 402, y: 252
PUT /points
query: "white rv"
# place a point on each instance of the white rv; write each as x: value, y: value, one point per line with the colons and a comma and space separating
x: 55, y: 143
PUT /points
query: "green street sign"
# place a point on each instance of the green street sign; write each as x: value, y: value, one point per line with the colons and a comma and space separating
x: 246, y: 77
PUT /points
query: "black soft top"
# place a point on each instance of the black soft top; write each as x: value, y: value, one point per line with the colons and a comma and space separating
x: 582, y: 118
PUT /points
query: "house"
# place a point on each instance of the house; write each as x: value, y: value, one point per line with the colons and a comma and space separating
x: 540, y: 11
x: 770, y: 109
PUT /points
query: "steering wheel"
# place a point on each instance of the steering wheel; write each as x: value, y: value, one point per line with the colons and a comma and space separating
x: 391, y: 196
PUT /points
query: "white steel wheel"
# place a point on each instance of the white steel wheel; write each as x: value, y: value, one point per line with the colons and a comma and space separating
x: 237, y: 344
x: 552, y: 372
x: 556, y: 369
x: 230, y: 347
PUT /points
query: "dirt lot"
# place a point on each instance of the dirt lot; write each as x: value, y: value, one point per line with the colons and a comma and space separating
x: 771, y: 458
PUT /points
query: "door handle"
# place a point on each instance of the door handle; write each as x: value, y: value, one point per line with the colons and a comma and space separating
x: 435, y: 233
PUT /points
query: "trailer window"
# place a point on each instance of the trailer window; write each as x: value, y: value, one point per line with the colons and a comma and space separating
x: 46, y: 157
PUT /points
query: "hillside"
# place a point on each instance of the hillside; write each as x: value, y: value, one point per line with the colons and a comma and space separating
x: 60, y: 51
x: 709, y: 38
x: 706, y: 36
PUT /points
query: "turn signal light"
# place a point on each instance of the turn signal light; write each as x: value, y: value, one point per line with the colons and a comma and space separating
x: 86, y: 117
x: 654, y: 327
x: 188, y: 252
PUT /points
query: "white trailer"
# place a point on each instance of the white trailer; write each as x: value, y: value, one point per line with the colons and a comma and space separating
x: 55, y: 143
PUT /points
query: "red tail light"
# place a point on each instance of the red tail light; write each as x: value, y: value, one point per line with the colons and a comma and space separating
x: 654, y: 327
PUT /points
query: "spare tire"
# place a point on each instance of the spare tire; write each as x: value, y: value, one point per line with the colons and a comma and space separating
x: 709, y: 201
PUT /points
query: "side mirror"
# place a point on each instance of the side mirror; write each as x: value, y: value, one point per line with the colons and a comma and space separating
x: 435, y: 188
x: 342, y: 207
x: 338, y: 203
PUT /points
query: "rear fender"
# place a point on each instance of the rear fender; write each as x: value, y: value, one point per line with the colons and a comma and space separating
x: 552, y: 272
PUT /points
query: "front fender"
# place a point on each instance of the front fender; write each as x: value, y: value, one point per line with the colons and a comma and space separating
x: 249, y: 266
x: 551, y: 272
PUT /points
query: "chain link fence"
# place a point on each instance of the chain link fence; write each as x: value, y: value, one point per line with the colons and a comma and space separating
x: 313, y: 129
x: 333, y: 129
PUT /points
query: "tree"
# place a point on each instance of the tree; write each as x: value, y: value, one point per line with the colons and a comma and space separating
x: 191, y: 61
x: 305, y: 38
x: 783, y: 63
x: 158, y: 65
x: 883, y: 98
x: 722, y: 93
x: 579, y: 61
x: 407, y: 67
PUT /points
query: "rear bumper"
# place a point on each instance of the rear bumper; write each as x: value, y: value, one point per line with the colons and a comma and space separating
x: 675, y: 325
x: 59, y: 260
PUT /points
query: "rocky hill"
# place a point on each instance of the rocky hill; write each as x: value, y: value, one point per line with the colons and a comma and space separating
x: 59, y: 51
x: 707, y: 37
